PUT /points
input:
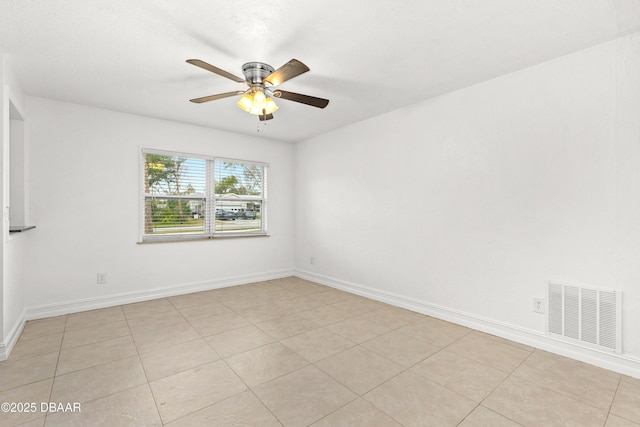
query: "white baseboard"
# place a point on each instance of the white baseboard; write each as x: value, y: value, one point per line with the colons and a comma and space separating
x: 12, y: 338
x: 621, y: 363
x: 75, y: 306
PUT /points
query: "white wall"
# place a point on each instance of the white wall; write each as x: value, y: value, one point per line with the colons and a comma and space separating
x: 12, y: 253
x: 84, y: 200
x: 14, y: 285
x: 4, y: 136
x: 471, y: 202
x: 15, y: 246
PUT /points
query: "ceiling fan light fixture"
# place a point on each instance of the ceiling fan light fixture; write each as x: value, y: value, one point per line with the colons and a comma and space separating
x: 270, y: 106
x: 256, y: 111
x: 246, y: 102
x: 256, y: 102
x: 259, y: 99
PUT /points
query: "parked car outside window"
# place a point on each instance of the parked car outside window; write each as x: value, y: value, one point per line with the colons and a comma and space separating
x: 246, y: 214
x: 225, y: 215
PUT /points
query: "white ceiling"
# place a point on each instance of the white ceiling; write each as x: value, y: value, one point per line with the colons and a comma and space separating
x: 367, y: 56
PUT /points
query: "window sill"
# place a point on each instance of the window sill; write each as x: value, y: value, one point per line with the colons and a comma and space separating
x: 170, y: 239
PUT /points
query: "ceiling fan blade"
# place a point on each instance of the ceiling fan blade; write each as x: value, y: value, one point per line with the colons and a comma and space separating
x: 214, y: 97
x: 288, y: 71
x: 216, y: 70
x: 265, y: 117
x: 304, y: 99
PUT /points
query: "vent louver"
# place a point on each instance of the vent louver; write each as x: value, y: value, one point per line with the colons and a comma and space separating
x: 585, y: 315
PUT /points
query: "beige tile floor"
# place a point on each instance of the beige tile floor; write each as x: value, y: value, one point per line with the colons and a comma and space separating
x: 294, y: 353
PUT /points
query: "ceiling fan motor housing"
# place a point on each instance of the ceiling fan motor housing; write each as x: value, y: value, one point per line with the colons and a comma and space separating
x: 255, y: 72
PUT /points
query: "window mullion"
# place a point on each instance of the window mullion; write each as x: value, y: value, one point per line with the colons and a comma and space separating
x: 210, y: 218
x: 263, y: 216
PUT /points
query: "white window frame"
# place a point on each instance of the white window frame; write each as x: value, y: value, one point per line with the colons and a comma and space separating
x: 210, y: 200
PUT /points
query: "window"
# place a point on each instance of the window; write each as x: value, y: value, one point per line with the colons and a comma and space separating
x: 187, y: 196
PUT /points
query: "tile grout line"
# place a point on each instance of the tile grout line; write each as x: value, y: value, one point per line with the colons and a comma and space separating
x: 361, y: 396
x: 564, y: 394
x: 202, y: 337
x: 55, y: 371
x: 357, y: 396
x: 105, y: 363
x: 146, y: 375
x: 612, y: 400
x: 502, y: 382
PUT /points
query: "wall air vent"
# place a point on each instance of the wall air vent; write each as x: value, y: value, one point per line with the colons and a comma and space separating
x: 584, y: 315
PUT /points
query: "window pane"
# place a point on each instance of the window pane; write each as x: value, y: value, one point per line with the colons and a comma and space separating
x: 238, y: 216
x: 174, y: 175
x: 171, y: 216
x: 243, y: 179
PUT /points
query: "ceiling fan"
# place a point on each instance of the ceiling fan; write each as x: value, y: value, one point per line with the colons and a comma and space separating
x: 262, y: 80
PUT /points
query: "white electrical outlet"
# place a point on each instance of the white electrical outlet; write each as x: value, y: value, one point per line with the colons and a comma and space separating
x: 102, y: 278
x: 312, y: 260
x: 538, y: 305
